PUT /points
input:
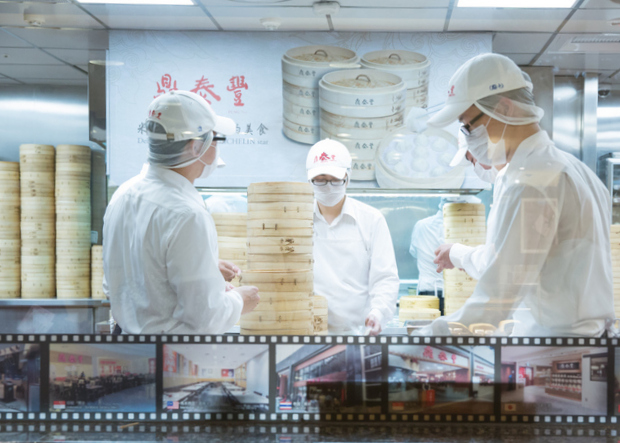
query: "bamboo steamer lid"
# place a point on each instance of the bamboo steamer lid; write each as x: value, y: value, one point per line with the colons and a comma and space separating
x: 278, y: 317
x: 280, y: 188
x: 280, y: 215
x: 280, y: 198
x: 294, y: 277
x: 285, y: 249
x: 68, y: 149
x: 460, y: 207
x: 280, y: 266
x: 36, y: 149
x: 282, y: 297
x: 280, y: 207
x: 276, y: 325
x: 38, y: 292
x: 304, y: 331
x: 70, y: 294
x: 232, y: 255
x: 283, y: 306
x: 280, y: 241
x: 9, y: 293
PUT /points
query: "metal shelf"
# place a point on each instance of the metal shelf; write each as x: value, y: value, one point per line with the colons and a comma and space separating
x: 353, y: 190
x: 55, y: 303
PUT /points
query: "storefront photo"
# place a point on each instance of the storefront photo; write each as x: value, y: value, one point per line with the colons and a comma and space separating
x: 326, y: 378
x: 110, y: 377
x: 447, y: 380
x: 554, y: 380
x: 20, y: 378
x: 216, y: 378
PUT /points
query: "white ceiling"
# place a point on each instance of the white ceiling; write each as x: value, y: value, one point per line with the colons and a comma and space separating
x: 57, y: 51
x: 219, y: 356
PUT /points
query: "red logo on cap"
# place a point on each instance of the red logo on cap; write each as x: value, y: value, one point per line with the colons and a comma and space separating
x: 451, y: 91
x: 324, y: 158
x: 157, y: 115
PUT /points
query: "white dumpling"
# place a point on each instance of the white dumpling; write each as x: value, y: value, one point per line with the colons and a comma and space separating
x: 399, y: 145
x: 419, y: 165
x: 393, y: 157
x: 420, y: 151
x: 422, y: 140
x: 440, y: 144
x: 446, y: 158
x: 401, y: 168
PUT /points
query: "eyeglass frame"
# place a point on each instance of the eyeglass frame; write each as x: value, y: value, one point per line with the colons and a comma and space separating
x: 338, y: 182
x: 465, y: 127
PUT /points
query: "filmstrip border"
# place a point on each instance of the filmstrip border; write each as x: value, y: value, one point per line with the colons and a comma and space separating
x: 307, y: 339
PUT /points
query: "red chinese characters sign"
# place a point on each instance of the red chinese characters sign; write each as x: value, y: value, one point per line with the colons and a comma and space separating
x: 237, y: 83
x: 167, y: 85
x: 204, y: 89
x: 170, y: 360
x: 70, y: 358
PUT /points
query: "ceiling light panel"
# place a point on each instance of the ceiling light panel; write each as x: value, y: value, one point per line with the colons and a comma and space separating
x: 141, y: 2
x: 516, y: 3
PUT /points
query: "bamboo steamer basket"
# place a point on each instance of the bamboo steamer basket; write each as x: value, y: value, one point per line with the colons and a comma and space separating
x: 301, y: 316
x: 279, y: 266
x: 233, y: 255
x: 254, y: 216
x: 258, y: 277
x: 282, y: 297
x: 230, y: 218
x: 284, y: 198
x: 305, y: 331
x: 320, y: 302
x: 280, y: 207
x: 270, y: 188
x: 283, y: 249
x: 280, y: 241
x: 275, y: 230
x: 97, y: 272
x: 283, y: 306
x: 269, y: 325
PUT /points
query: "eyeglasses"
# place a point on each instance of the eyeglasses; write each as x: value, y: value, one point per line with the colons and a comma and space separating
x: 321, y: 182
x: 218, y: 138
x: 465, y: 128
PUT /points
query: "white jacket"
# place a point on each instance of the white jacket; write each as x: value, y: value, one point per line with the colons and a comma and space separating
x: 547, y: 258
x: 426, y: 237
x: 160, y: 259
x: 355, y: 267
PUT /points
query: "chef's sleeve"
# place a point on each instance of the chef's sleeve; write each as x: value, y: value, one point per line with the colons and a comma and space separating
x: 473, y: 260
x: 383, y: 280
x: 526, y: 227
x: 415, y: 242
x: 203, y: 304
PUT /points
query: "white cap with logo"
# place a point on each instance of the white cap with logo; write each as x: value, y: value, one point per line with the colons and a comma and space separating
x: 185, y: 115
x: 328, y: 157
x: 479, y: 77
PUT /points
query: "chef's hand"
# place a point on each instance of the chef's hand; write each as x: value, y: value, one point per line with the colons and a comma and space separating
x: 442, y: 257
x: 229, y: 287
x: 229, y: 270
x: 250, y: 297
x: 373, y: 324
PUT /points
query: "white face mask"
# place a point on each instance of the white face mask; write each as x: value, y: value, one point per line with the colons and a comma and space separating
x: 329, y: 195
x: 483, y: 149
x: 208, y: 170
x: 486, y: 175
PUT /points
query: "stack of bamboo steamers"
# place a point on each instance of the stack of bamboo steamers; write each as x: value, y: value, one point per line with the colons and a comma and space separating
x: 463, y: 223
x: 615, y: 264
x: 9, y: 231
x: 279, y: 259
x: 232, y: 238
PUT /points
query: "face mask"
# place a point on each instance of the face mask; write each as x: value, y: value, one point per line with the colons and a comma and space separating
x: 208, y: 170
x: 483, y: 149
x: 486, y: 175
x: 329, y: 195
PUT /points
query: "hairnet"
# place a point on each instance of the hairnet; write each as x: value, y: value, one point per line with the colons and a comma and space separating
x: 174, y: 154
x: 523, y: 110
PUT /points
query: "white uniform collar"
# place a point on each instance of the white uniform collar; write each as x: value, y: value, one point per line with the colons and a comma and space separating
x: 347, y: 209
x: 176, y: 180
x: 541, y: 138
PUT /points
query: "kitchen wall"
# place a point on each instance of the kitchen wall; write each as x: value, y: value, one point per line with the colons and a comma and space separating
x: 49, y: 115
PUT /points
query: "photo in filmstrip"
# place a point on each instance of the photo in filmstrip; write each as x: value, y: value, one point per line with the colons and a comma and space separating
x: 554, y: 380
x: 329, y: 378
x: 216, y: 378
x: 441, y: 379
x: 102, y: 377
x: 20, y: 378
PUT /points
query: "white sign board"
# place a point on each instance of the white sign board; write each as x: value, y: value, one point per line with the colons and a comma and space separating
x: 240, y: 74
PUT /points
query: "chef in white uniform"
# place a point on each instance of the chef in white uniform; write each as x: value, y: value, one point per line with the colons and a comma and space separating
x: 547, y: 258
x: 160, y: 254
x: 426, y: 237
x: 354, y: 262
